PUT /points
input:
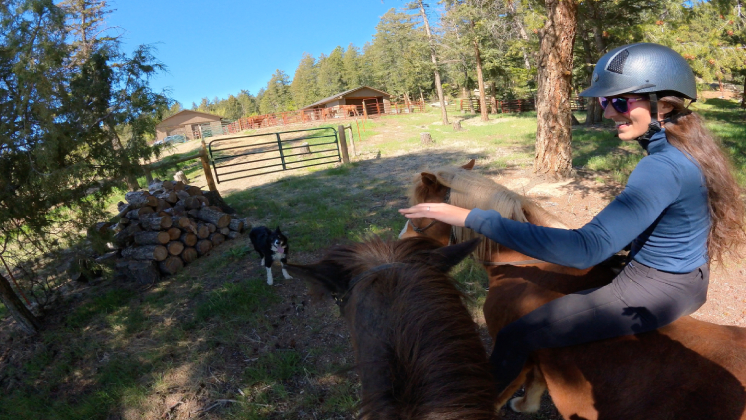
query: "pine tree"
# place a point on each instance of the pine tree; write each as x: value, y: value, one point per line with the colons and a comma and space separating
x: 330, y: 72
x: 72, y: 127
x: 304, y: 87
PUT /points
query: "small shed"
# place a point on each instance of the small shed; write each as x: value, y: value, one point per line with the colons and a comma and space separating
x: 372, y: 101
x: 186, y: 123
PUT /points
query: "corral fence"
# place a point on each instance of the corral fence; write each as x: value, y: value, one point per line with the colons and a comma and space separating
x: 260, y: 154
x: 371, y: 109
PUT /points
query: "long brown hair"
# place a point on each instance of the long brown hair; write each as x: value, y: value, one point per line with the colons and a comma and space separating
x: 686, y: 131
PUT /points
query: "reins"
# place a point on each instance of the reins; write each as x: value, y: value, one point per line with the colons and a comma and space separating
x: 339, y: 300
x: 522, y: 262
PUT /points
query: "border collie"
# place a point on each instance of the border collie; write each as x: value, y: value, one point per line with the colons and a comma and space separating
x: 271, y: 246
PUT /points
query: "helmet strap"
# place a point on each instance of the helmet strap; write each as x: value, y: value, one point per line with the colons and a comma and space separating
x: 654, y: 106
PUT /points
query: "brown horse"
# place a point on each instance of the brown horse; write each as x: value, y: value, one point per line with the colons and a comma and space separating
x: 689, y: 369
x: 417, y: 348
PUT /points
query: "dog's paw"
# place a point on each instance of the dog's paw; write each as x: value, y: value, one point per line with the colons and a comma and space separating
x: 286, y: 275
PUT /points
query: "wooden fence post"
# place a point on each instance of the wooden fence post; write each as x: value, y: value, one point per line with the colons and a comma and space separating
x: 352, y: 140
x: 203, y: 156
x: 343, y: 144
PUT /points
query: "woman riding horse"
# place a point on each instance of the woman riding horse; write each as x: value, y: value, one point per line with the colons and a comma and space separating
x: 681, y: 209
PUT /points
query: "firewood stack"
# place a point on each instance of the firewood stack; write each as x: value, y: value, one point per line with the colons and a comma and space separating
x: 166, y: 227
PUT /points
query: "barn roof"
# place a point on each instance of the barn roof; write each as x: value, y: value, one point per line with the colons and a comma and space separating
x: 216, y: 117
x: 343, y: 94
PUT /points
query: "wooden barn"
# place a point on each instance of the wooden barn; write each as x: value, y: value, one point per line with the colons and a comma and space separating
x: 187, y: 123
x: 365, y: 99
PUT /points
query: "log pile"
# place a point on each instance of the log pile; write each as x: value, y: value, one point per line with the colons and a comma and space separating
x: 164, y: 228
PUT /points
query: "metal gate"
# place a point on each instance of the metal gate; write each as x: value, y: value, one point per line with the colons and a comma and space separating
x: 261, y: 154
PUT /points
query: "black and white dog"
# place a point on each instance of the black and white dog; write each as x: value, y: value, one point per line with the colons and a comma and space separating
x: 271, y: 246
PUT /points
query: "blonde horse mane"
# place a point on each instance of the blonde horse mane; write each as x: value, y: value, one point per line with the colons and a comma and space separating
x: 471, y: 190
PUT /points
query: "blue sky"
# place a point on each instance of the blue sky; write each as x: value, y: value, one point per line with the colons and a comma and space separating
x: 216, y: 48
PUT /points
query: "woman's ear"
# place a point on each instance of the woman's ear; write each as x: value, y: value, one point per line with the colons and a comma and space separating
x: 664, y: 108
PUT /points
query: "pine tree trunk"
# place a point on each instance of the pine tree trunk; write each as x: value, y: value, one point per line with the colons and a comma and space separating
x: 554, y: 130
x: 480, y: 80
x: 29, y: 323
x: 436, y: 72
x: 743, y: 97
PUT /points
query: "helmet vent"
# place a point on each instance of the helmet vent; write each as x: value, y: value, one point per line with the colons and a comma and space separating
x: 617, y: 63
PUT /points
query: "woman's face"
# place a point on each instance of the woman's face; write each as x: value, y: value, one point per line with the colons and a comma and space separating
x: 633, y: 123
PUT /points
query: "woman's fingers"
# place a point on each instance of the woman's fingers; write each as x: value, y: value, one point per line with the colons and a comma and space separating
x: 455, y: 216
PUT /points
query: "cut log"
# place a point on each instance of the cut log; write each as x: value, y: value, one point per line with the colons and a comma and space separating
x: 102, y: 227
x: 142, y: 272
x: 181, y: 222
x: 162, y: 205
x: 202, y: 200
x: 168, y: 185
x: 171, y: 265
x: 152, y: 238
x: 138, y: 213
x: 121, y: 207
x: 156, y: 185
x: 125, y: 236
x: 216, y: 200
x: 194, y: 214
x: 156, y: 223
x: 203, y: 246
x: 182, y: 195
x: 124, y: 222
x: 147, y: 252
x: 179, y: 209
x: 217, y: 238
x: 169, y: 197
x: 192, y: 203
x: 189, y: 239
x: 110, y: 258
x: 179, y: 177
x: 175, y: 247
x: 192, y: 190
x: 224, y: 230
x: 233, y: 234
x: 174, y: 233
x: 217, y: 218
x: 212, y: 227
x: 189, y: 254
x: 202, y: 231
x: 138, y: 199
x: 179, y: 185
x: 426, y: 139
x: 164, y: 213
x: 236, y: 224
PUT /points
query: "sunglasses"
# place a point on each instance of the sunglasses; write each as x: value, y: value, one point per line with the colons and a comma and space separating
x: 621, y: 105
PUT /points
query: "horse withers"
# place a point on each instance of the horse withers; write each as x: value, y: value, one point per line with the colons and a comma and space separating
x: 689, y: 369
x: 417, y: 348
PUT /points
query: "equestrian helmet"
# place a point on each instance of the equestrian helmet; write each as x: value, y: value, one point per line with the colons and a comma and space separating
x: 642, y: 68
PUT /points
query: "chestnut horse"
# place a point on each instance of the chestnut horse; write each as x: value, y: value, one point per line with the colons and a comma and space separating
x: 689, y: 369
x: 417, y: 348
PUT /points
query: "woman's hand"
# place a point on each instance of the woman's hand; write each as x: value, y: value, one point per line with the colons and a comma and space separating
x: 446, y: 213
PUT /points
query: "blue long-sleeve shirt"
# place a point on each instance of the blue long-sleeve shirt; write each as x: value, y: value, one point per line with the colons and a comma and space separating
x: 663, y: 211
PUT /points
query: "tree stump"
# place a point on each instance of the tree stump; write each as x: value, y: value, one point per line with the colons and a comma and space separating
x: 180, y: 177
x: 304, y: 149
x: 457, y: 125
x: 426, y: 139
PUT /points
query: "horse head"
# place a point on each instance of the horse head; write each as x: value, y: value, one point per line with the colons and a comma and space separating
x: 418, y: 352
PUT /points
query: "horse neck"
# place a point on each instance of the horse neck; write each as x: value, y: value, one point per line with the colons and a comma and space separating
x: 418, y: 353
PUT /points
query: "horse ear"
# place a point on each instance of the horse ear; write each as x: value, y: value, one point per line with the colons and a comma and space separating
x: 469, y: 166
x: 448, y: 256
x: 321, y: 277
x: 428, y: 179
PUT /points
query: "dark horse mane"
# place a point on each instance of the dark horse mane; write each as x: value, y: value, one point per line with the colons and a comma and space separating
x: 427, y: 360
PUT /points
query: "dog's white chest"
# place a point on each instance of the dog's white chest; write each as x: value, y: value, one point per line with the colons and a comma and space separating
x: 277, y: 256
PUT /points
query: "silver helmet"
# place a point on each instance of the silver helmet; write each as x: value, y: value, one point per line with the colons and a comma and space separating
x: 642, y: 68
